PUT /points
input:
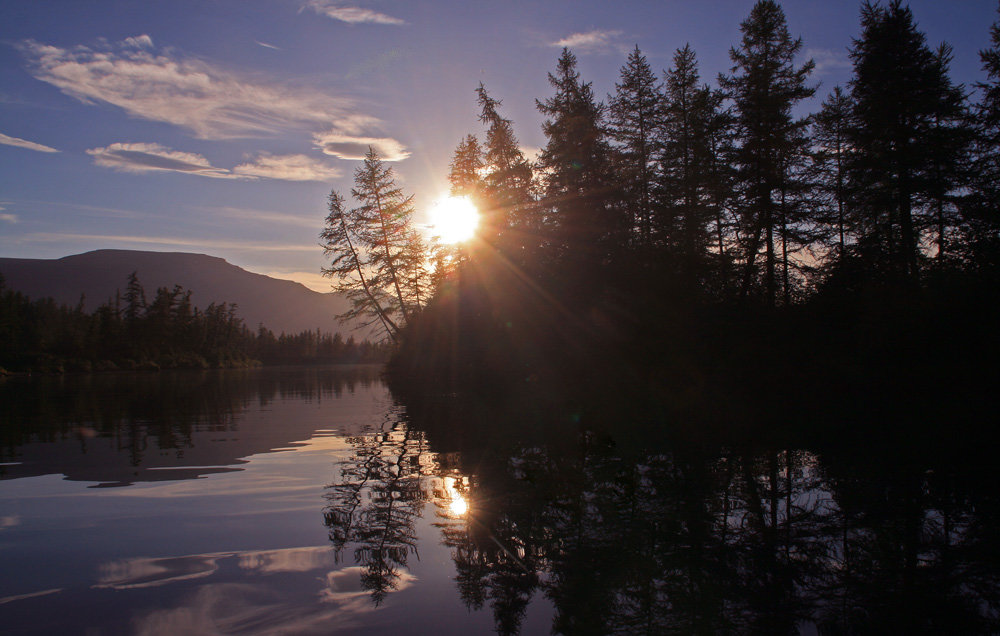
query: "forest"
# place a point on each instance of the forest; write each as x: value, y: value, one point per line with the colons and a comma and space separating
x: 687, y: 241
x: 129, y: 332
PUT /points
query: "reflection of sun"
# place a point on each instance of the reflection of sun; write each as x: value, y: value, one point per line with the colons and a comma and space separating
x: 453, y: 219
x: 458, y: 505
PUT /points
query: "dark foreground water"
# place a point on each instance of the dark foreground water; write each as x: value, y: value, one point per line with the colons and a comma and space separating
x: 297, y: 501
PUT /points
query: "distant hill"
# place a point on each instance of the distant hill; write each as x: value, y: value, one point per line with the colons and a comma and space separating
x: 280, y: 305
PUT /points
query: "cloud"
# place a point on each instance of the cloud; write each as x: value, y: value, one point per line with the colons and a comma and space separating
x: 287, y: 167
x: 138, y: 158
x: 265, y: 216
x: 139, y: 42
x: 827, y: 60
x: 351, y: 15
x: 23, y: 143
x: 343, y: 146
x: 596, y: 41
x: 7, y: 218
x: 267, y: 46
x: 211, y: 102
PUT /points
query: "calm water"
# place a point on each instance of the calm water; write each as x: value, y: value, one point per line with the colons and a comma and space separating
x: 311, y: 501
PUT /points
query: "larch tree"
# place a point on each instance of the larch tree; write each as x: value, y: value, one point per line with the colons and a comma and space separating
x: 378, y: 258
x: 765, y: 86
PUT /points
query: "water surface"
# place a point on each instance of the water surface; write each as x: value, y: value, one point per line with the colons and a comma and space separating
x: 310, y: 500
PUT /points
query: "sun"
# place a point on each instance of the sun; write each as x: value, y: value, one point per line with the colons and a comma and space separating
x: 453, y: 219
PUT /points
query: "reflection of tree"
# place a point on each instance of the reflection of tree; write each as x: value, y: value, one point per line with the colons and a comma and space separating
x: 377, y: 500
x: 703, y: 540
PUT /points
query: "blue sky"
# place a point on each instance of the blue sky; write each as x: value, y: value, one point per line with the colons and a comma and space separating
x: 220, y: 126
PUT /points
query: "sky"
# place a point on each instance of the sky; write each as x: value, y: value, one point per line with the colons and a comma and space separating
x: 221, y: 126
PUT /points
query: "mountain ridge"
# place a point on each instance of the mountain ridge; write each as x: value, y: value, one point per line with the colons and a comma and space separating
x: 97, y: 276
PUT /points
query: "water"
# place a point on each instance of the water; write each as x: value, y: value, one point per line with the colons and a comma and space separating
x: 311, y: 500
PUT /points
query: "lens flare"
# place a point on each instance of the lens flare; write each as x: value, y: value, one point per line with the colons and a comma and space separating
x: 453, y: 219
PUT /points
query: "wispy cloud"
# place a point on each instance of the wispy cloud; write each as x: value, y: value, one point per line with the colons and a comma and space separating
x: 597, y: 41
x: 170, y: 241
x: 828, y: 60
x: 24, y: 143
x: 267, y: 46
x: 8, y: 218
x: 211, y: 102
x: 337, y: 144
x: 138, y: 158
x: 287, y: 167
x: 263, y: 216
x: 351, y: 15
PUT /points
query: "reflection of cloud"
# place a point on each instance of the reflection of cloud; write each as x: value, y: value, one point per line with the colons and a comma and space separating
x: 287, y: 560
x: 147, y: 572
x: 160, y: 86
x: 351, y: 15
x: 828, y: 60
x: 597, y: 41
x: 17, y: 142
x: 288, y: 168
x: 20, y: 597
x: 137, y: 158
x: 9, y: 521
x: 336, y: 144
x: 142, y: 573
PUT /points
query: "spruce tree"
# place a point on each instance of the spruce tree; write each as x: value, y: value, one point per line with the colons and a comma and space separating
x: 984, y: 205
x: 509, y: 216
x: 829, y: 163
x: 688, y: 188
x: 577, y: 176
x: 907, y: 136
x: 634, y: 126
x: 765, y: 85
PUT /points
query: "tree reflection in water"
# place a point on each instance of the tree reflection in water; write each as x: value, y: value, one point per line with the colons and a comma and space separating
x: 687, y: 538
x: 377, y: 500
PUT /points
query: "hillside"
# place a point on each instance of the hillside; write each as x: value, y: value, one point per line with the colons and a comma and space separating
x: 281, y: 305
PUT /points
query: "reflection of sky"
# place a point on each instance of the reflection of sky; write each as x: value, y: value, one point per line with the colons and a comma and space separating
x: 243, y: 551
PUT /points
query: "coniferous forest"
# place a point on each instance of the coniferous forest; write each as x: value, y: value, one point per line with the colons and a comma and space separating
x: 168, y: 331
x: 722, y: 246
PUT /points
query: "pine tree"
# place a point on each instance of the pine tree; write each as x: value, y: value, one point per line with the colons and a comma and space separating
x: 765, y: 86
x: 907, y: 134
x: 634, y: 126
x: 576, y: 176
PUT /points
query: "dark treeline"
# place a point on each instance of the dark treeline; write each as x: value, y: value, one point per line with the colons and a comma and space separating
x: 704, y: 240
x: 131, y: 332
